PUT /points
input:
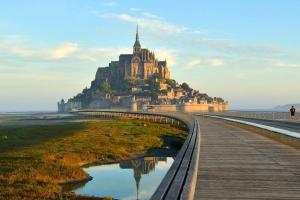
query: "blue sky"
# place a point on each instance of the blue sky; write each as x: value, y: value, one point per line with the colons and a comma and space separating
x: 245, y: 51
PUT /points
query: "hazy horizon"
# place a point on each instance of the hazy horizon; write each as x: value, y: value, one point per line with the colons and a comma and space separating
x: 55, y: 110
x: 245, y: 52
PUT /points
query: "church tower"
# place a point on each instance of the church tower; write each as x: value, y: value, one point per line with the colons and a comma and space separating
x: 137, y: 45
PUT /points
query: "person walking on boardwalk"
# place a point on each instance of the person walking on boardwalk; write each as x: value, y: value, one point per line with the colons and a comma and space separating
x: 293, y: 112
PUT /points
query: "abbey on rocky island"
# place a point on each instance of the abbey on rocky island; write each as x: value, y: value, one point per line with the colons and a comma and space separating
x: 140, y: 80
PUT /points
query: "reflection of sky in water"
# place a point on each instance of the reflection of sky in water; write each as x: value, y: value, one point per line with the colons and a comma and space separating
x: 120, y: 180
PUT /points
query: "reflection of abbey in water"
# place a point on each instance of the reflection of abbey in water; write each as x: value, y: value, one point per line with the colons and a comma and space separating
x: 140, y: 167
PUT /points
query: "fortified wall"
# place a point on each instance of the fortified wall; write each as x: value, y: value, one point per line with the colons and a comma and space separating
x: 192, y: 107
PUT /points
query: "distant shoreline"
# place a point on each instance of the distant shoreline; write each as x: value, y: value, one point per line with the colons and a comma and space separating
x: 27, y: 112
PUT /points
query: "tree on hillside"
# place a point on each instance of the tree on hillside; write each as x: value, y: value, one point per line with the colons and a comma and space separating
x: 164, y: 92
x: 156, y: 76
x: 105, y: 87
x: 153, y: 82
x: 186, y: 87
x: 84, y: 91
x: 171, y: 82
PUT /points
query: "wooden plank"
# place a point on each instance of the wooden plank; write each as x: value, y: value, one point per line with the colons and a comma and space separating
x: 238, y: 164
x: 164, y: 186
x: 188, y: 190
x: 178, y: 183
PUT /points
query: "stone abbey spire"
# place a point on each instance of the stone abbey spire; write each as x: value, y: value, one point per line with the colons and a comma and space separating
x: 137, y: 33
x: 137, y: 44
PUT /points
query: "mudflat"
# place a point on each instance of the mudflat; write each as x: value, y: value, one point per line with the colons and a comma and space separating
x: 36, y: 159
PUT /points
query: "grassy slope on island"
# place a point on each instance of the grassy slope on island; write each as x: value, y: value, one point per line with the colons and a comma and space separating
x: 34, y: 159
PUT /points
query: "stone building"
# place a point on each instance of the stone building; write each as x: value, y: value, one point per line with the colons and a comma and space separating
x: 141, y: 64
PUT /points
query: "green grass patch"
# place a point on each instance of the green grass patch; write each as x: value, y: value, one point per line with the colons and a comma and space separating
x: 35, y: 159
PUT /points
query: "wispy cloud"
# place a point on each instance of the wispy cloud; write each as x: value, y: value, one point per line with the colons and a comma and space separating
x: 13, y: 44
x: 31, y: 76
x: 286, y: 65
x: 168, y: 54
x: 198, y: 32
x: 23, y: 50
x: 208, y: 62
x: 14, y: 49
x: 155, y: 22
x: 20, y: 51
x: 135, y: 9
x: 180, y: 35
x: 216, y: 62
x: 64, y: 51
x: 234, y: 47
x: 150, y: 15
x: 102, y: 55
x: 193, y: 63
x: 147, y: 20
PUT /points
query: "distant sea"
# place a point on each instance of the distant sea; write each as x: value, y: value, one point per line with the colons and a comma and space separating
x: 251, y: 110
x: 26, y: 112
x: 281, y: 108
x: 34, y: 114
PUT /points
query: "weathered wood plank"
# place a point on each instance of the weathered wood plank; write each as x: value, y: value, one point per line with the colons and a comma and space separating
x: 238, y: 164
x: 166, y: 183
x: 188, y: 191
x: 177, y: 185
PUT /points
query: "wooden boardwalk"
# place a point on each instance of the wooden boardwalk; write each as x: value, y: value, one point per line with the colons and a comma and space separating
x: 288, y: 125
x: 237, y: 164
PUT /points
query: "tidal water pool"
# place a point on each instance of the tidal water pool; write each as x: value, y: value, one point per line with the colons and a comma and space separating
x: 135, y: 179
